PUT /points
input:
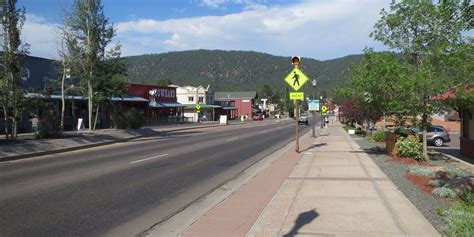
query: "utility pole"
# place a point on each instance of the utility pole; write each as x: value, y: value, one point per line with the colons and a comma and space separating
x: 313, y: 83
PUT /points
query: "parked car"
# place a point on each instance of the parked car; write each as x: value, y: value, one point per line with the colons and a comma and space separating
x: 257, y: 116
x: 436, y: 135
x: 303, y: 118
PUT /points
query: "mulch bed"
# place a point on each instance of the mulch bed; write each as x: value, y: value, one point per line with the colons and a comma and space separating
x: 420, y: 181
x: 408, y: 161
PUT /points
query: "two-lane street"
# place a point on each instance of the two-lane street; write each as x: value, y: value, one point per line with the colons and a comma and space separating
x: 128, y: 187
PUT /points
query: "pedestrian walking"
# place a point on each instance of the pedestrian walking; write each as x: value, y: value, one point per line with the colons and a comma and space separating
x: 34, y: 124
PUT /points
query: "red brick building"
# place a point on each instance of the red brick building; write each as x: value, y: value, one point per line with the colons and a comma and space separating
x: 467, y: 122
x: 235, y: 104
x: 163, y: 107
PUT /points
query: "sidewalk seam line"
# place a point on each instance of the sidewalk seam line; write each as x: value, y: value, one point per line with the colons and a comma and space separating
x: 377, y: 188
x: 297, y: 192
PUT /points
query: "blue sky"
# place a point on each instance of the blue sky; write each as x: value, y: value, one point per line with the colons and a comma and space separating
x: 320, y: 29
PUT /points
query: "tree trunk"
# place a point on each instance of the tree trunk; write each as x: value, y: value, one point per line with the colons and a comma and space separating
x: 424, y: 123
x: 5, y: 119
x: 89, y: 99
x: 63, y: 102
x: 96, y: 115
x: 384, y: 122
x: 15, y: 110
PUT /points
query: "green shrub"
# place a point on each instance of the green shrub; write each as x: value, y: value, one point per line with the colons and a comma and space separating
x: 360, y: 132
x: 131, y: 118
x: 455, y: 172
x: 49, y: 127
x: 379, y: 136
x: 444, y: 193
x: 467, y: 197
x: 459, y: 221
x: 410, y: 147
x: 402, y: 131
x: 436, y: 183
x: 417, y: 170
x: 441, y: 212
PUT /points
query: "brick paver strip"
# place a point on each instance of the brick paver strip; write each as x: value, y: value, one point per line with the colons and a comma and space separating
x: 237, y: 214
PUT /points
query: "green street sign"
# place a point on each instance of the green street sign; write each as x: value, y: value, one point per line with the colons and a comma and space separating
x: 198, y: 107
x: 296, y: 79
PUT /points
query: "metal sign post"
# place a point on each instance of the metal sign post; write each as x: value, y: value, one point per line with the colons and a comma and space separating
x: 296, y: 79
x: 297, y: 148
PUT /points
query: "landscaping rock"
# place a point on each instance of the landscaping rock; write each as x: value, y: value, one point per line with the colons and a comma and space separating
x: 443, y: 174
x: 461, y: 183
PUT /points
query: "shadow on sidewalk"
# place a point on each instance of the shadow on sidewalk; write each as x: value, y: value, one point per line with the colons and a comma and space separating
x: 314, y: 146
x: 303, y: 219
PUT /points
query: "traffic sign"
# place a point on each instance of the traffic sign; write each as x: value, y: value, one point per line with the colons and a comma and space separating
x: 324, y: 110
x: 198, y: 107
x: 296, y: 96
x: 296, y: 79
x: 313, y: 105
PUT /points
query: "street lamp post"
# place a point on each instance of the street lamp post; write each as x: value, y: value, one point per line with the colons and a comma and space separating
x: 313, y: 83
x: 320, y: 106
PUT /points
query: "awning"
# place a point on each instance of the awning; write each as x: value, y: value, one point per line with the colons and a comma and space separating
x: 129, y: 99
x: 154, y: 104
x: 203, y: 106
x: 229, y: 108
x: 172, y: 104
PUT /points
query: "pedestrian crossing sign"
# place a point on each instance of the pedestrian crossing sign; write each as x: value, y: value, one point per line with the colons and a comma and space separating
x: 296, y: 96
x: 296, y: 79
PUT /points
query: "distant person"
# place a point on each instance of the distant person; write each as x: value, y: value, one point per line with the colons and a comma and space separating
x: 34, y: 124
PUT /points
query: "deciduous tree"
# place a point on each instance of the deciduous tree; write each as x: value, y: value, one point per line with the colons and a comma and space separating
x: 12, y: 59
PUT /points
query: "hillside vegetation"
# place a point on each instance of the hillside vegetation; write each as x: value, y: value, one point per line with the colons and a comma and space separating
x: 234, y: 70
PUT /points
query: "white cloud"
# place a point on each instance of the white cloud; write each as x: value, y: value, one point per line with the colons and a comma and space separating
x: 319, y: 29
x: 248, y: 4
x: 41, y: 35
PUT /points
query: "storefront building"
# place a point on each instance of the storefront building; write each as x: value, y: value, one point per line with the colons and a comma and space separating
x: 163, y: 107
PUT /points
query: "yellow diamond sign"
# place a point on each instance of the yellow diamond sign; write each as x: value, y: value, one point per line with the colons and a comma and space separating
x: 296, y: 79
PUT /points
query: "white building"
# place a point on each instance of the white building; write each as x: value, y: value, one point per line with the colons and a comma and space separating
x: 190, y: 96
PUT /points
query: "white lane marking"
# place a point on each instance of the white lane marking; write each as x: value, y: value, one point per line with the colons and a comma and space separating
x: 231, y: 139
x: 149, y: 158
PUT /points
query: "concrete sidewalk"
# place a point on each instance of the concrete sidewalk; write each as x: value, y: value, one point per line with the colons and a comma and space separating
x: 332, y: 189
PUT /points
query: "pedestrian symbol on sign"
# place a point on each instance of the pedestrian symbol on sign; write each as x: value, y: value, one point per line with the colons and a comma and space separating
x: 296, y: 77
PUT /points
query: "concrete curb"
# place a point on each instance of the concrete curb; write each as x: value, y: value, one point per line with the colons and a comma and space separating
x: 97, y: 144
x: 451, y: 158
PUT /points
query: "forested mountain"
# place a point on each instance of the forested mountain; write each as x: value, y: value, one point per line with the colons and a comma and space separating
x: 235, y: 70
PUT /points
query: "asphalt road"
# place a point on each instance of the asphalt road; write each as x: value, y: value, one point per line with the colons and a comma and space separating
x: 124, y: 189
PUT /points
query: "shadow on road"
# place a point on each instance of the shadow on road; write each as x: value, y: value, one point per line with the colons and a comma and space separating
x: 303, y: 219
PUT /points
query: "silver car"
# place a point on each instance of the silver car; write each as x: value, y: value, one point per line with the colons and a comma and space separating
x: 436, y: 135
x: 303, y: 119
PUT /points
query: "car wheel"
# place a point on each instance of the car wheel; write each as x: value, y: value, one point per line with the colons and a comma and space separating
x: 438, y: 142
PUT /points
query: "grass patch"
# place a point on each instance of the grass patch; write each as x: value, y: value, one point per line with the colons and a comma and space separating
x: 379, y: 136
x: 459, y: 221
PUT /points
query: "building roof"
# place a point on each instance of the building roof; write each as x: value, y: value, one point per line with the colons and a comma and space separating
x: 451, y: 94
x: 235, y: 95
